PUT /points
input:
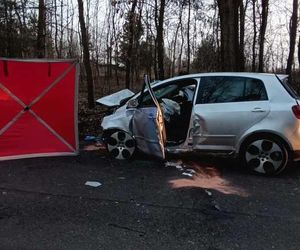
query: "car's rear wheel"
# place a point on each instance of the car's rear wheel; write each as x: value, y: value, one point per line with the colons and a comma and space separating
x: 265, y: 155
x: 120, y: 145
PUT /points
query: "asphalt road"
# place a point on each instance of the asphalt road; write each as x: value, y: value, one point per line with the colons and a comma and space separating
x: 193, y: 204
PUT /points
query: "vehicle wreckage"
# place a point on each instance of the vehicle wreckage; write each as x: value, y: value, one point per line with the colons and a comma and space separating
x: 248, y: 115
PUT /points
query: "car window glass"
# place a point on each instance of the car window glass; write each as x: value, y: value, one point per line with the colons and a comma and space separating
x: 288, y: 86
x: 179, y: 89
x: 159, y: 93
x: 222, y: 89
x: 254, y: 90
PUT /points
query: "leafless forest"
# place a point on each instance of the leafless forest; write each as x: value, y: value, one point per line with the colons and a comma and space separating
x: 117, y: 41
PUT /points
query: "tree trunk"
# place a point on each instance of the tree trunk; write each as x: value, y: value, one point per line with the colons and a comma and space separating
x: 299, y: 50
x: 216, y: 38
x: 56, y: 30
x: 130, y: 45
x: 136, y: 65
x: 229, y: 20
x: 41, y: 32
x: 293, y: 34
x: 86, y: 56
x: 116, y: 47
x: 243, y: 9
x: 155, y: 60
x: 7, y: 31
x: 253, y: 66
x: 160, y: 41
x: 262, y: 33
x: 175, y: 41
x: 188, y: 38
x: 61, y: 29
x: 180, y: 70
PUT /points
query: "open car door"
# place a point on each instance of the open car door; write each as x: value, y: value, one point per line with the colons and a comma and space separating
x: 148, y: 125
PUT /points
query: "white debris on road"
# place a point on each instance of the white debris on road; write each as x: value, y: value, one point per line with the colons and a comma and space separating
x: 179, y: 168
x: 187, y: 174
x: 208, y: 192
x: 174, y: 164
x: 93, y: 184
x: 192, y: 171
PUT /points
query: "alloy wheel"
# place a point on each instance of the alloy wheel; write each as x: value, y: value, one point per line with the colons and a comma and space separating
x: 266, y: 156
x: 120, y: 145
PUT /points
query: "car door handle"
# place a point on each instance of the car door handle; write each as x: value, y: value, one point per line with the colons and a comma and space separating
x: 257, y: 109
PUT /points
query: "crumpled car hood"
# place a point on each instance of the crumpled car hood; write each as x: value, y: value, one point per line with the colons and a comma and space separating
x: 115, y: 98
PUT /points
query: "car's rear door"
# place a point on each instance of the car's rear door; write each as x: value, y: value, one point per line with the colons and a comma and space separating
x: 225, y: 107
x: 148, y: 125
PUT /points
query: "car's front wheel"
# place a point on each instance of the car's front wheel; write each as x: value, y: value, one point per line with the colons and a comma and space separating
x: 120, y: 145
x: 265, y: 155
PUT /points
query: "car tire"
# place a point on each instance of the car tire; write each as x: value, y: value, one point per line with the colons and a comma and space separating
x: 265, y: 155
x: 120, y: 145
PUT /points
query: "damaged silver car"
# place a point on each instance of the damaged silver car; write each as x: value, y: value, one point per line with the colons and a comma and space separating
x: 251, y: 116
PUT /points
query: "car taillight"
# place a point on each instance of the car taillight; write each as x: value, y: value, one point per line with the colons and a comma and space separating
x: 296, y: 111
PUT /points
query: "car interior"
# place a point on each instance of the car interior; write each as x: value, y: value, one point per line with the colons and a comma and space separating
x: 176, y: 100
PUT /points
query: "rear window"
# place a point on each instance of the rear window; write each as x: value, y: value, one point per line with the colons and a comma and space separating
x: 287, y: 85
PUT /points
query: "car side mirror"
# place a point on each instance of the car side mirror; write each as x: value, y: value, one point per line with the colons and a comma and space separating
x: 123, y: 101
x: 132, y: 104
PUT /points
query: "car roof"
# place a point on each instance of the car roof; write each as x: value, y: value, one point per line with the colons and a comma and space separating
x: 242, y: 74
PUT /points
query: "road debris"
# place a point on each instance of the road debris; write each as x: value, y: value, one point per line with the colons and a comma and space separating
x: 217, y: 207
x: 208, y: 192
x: 192, y: 171
x: 95, y: 147
x: 180, y: 168
x: 177, y: 164
x: 93, y: 184
x: 90, y: 138
x: 187, y: 174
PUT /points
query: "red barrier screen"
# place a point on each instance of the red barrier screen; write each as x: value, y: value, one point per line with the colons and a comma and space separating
x: 38, y: 108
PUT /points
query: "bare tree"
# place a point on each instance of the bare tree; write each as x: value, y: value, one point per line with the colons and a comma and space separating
x: 163, y: 37
x: 262, y: 33
x: 229, y: 20
x: 243, y: 9
x: 86, y: 55
x: 41, y: 32
x: 293, y: 34
x: 175, y: 38
x: 130, y: 44
x: 188, y: 38
x: 299, y: 50
x: 160, y: 39
x: 253, y: 64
